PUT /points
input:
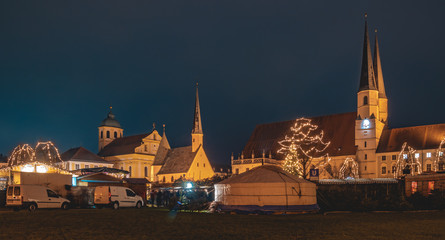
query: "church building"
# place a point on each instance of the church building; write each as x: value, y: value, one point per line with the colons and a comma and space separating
x: 150, y: 156
x: 361, y: 143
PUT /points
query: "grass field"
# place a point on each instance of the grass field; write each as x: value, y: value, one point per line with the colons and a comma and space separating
x: 160, y: 224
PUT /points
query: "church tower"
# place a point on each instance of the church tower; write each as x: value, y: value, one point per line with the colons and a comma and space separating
x: 369, y: 124
x: 197, y: 135
x: 383, y: 100
x: 109, y: 130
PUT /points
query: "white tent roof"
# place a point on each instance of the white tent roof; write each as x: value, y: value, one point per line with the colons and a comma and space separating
x: 264, y: 174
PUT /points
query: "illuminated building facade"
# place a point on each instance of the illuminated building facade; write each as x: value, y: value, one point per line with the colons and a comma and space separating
x: 150, y: 156
x: 361, y: 139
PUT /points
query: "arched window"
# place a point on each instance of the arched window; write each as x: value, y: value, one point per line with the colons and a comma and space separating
x: 108, y: 134
x: 365, y: 143
x: 101, y: 134
x: 365, y: 100
x: 146, y: 148
x: 197, y: 164
x: 366, y: 156
x: 129, y: 169
x: 115, y: 134
x: 145, y: 171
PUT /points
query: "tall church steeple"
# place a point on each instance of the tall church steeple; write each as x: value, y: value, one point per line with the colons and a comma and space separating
x: 369, y: 124
x: 197, y: 134
x: 367, y: 79
x: 383, y: 101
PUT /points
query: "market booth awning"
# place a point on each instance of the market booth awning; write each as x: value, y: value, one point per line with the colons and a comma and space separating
x: 266, y: 188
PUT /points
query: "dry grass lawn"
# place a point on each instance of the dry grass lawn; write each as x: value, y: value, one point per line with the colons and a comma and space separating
x: 160, y: 224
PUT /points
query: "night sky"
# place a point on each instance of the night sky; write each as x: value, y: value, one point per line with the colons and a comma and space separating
x: 63, y: 63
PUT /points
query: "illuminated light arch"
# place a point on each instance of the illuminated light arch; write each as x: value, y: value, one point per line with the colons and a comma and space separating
x: 440, y: 158
x: 349, y: 168
x: 407, y: 160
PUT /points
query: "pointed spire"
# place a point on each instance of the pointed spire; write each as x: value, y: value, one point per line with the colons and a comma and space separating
x: 367, y: 80
x: 197, y: 126
x: 378, y: 69
x: 164, y: 142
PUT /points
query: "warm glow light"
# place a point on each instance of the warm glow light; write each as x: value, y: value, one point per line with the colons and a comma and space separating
x: 28, y: 168
x: 41, y: 169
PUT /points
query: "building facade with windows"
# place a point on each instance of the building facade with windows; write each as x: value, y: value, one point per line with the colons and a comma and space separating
x: 361, y: 143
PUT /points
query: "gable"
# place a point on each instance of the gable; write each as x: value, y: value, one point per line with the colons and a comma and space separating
x: 178, y: 160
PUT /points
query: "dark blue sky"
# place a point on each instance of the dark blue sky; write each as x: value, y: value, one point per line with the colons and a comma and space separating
x: 62, y: 63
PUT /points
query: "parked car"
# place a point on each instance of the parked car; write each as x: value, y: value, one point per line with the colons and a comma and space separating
x: 32, y: 197
x: 116, y: 197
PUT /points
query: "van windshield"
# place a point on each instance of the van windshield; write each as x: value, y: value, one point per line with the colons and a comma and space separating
x: 10, y: 189
x: 17, y: 191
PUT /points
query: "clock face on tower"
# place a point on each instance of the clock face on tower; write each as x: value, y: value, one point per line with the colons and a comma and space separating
x: 366, y: 124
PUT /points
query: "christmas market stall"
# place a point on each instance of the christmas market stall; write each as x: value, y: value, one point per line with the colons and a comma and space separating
x: 266, y: 188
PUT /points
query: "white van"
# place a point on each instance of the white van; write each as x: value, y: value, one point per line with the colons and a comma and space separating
x: 116, y: 197
x: 33, y: 197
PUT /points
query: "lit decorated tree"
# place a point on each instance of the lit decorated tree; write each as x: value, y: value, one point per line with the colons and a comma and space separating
x: 303, y: 145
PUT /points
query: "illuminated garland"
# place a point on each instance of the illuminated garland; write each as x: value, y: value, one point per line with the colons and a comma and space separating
x: 439, y: 156
x: 323, y: 165
x: 301, y: 147
x: 349, y: 164
x: 407, y: 159
x: 26, y: 154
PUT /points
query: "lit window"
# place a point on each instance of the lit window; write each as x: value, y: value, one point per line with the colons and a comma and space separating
x: 430, y: 186
x: 383, y: 158
x: 87, y: 166
x: 413, y: 187
x: 405, y: 156
x: 77, y: 166
x: 416, y: 155
x: 383, y: 170
x: 428, y: 154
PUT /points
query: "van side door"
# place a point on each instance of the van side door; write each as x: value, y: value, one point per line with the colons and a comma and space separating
x: 54, y: 201
x: 130, y: 198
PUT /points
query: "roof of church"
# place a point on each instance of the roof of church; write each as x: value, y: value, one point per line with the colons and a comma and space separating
x: 417, y: 137
x: 339, y: 129
x: 178, y: 160
x: 81, y: 154
x: 110, y: 121
x: 123, y: 145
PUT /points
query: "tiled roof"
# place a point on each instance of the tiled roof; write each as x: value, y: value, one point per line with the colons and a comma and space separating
x: 339, y: 129
x: 418, y: 137
x: 178, y: 160
x: 82, y: 155
x: 124, y: 145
